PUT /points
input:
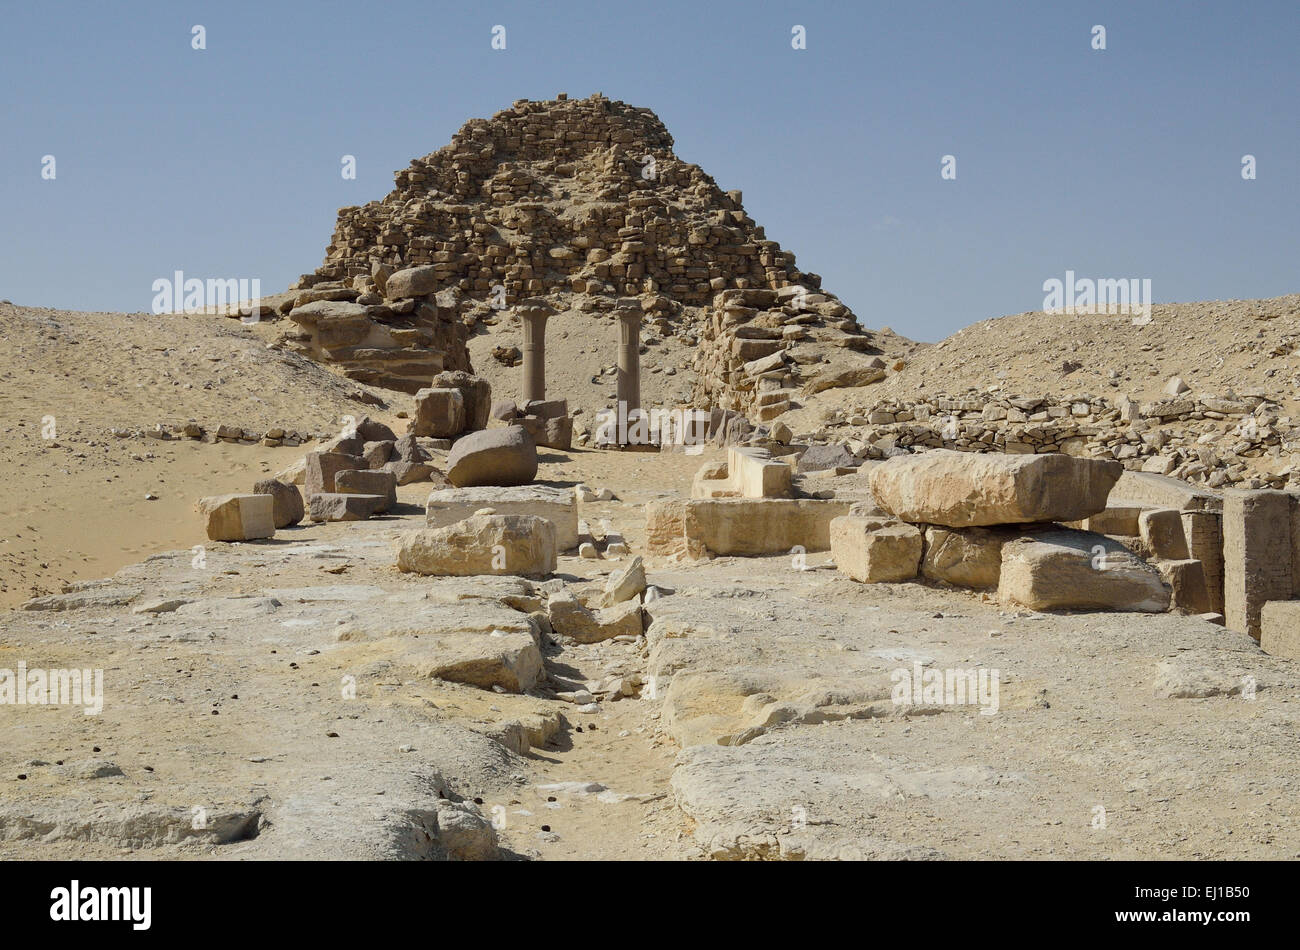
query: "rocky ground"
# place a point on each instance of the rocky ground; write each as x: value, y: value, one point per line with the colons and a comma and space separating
x: 756, y: 719
x: 101, y: 380
x: 1244, y: 345
x: 759, y: 728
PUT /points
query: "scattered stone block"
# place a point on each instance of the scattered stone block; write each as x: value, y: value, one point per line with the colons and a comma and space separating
x: 238, y: 517
x: 322, y: 467
x: 408, y: 472
x: 439, y: 413
x: 371, y: 430
x: 411, y: 282
x: 1080, y: 570
x: 615, y: 545
x: 965, y: 557
x: 448, y: 505
x: 286, y: 501
x: 571, y: 620
x: 475, y: 390
x: 493, y: 457
x: 875, y: 550
x: 345, y: 443
x: 963, y: 489
x: 409, y: 449
x: 1279, y: 624
x: 546, y: 408
x: 625, y: 584
x: 342, y: 506
x: 362, y: 482
x: 482, y: 544
x: 552, y: 433
x: 817, y: 458
x: 1186, y: 581
x: 1161, y: 530
x: 377, y: 454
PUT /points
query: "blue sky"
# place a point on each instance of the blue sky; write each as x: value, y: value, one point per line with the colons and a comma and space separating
x: 1117, y: 163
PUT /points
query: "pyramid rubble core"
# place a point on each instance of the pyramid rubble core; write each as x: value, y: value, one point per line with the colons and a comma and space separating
x: 583, y: 203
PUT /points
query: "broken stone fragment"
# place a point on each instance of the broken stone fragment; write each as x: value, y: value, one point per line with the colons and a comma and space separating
x: 571, y: 620
x: 474, y: 390
x: 493, y: 457
x: 286, y: 501
x: 439, y: 413
x: 1064, y: 569
x: 965, y: 557
x: 341, y: 506
x: 1161, y: 531
x: 624, y: 584
x: 321, y: 468
x: 411, y: 282
x: 408, y: 472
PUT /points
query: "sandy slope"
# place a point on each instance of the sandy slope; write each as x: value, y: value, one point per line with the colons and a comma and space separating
x: 1243, y: 345
x: 76, y: 504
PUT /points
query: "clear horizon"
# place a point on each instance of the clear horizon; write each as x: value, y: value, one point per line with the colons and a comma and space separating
x: 1122, y: 163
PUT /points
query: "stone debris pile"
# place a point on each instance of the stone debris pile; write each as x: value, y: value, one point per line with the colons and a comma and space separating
x: 566, y: 205
x: 1220, y: 441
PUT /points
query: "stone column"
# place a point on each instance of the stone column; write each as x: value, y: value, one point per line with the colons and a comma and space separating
x: 629, y: 360
x: 534, y: 353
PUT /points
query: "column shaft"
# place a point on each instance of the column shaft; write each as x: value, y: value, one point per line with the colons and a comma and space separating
x: 534, y: 356
x: 629, y: 361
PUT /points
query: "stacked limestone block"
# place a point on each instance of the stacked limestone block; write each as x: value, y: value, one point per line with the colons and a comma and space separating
x: 760, y: 347
x: 992, y: 521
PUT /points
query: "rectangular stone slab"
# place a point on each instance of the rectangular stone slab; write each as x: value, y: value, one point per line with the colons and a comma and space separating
x: 557, y: 505
x: 339, y: 506
x: 698, y: 527
x: 1077, y: 570
x: 358, y: 482
x: 965, y: 489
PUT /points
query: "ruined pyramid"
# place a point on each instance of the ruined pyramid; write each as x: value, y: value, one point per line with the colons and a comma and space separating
x: 581, y: 203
